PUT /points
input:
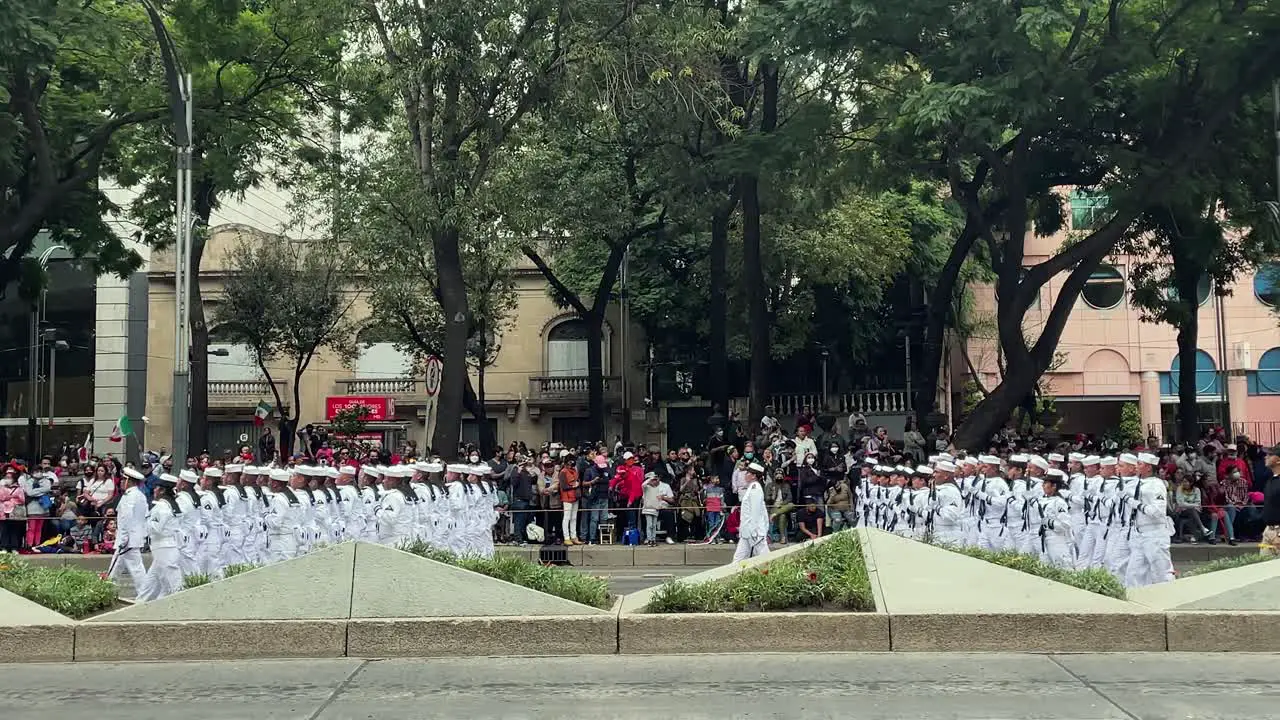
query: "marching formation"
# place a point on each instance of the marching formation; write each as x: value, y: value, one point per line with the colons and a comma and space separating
x: 1074, y: 512
x: 202, y: 523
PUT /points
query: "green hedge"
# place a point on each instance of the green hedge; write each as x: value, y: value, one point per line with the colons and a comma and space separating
x: 1095, y: 580
x: 550, y: 579
x: 70, y: 591
x: 830, y: 574
x: 1228, y: 563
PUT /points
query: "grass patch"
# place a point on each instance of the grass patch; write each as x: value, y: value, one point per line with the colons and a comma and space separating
x: 1095, y: 580
x: 558, y: 581
x: 1227, y: 564
x: 237, y: 568
x: 195, y: 580
x: 70, y: 591
x: 832, y: 575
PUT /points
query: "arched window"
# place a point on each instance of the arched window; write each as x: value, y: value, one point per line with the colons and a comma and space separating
x: 1266, y: 379
x: 1266, y: 284
x: 1206, y: 377
x: 567, y: 349
x: 1105, y: 288
x: 379, y: 357
x: 238, y: 364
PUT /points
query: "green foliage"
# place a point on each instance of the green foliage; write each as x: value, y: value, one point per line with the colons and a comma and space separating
x: 286, y: 301
x: 1129, y: 431
x: 1095, y: 580
x: 832, y: 574
x: 237, y: 568
x: 195, y: 580
x: 350, y: 421
x: 1228, y: 564
x: 561, y: 582
x: 70, y: 591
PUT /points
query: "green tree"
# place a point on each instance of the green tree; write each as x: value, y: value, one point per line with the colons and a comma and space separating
x: 69, y: 73
x: 467, y: 74
x: 265, y: 87
x: 1006, y: 102
x: 286, y: 301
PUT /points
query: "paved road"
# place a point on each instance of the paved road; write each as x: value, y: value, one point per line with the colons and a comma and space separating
x: 865, y: 686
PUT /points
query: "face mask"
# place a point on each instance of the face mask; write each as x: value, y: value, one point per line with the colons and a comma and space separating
x: 834, y: 449
x: 749, y: 455
x: 475, y: 458
x: 808, y: 461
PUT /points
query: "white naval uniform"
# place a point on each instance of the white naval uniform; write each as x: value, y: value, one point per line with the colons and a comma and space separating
x: 369, y: 498
x: 131, y: 536
x: 284, y: 525
x: 395, y: 521
x: 1057, y: 546
x: 165, y: 575
x: 209, y: 555
x: 350, y: 513
x: 1149, y: 561
x: 189, y: 531
x: 1105, y: 510
x: 1118, y: 538
x: 234, y: 512
x: 993, y: 495
x: 948, y: 515
x: 753, y: 524
x: 1090, y: 535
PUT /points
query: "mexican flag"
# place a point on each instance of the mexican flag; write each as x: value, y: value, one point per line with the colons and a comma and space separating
x: 261, y: 413
x: 123, y: 429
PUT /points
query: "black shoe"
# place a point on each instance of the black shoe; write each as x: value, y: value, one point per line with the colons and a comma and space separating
x: 1232, y: 542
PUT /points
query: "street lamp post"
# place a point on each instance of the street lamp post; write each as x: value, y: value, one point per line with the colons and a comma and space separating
x: 53, y: 370
x: 33, y: 361
x: 826, y: 393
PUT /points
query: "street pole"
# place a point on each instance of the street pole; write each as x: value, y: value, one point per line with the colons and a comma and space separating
x: 826, y: 395
x: 33, y: 369
x: 53, y: 373
x: 182, y: 279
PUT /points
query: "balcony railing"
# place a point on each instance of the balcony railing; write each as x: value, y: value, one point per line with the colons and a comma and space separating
x: 239, y: 391
x: 383, y: 386
x: 867, y: 402
x: 569, y: 387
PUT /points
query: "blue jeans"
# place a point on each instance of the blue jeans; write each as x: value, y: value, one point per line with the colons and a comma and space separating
x: 713, y: 519
x: 595, y: 514
x: 1230, y: 511
x: 520, y: 517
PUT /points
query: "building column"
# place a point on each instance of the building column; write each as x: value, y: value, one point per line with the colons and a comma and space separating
x: 1238, y: 397
x: 111, y: 363
x: 1149, y: 403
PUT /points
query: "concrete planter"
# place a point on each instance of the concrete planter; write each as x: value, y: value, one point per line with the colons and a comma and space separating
x: 683, y: 633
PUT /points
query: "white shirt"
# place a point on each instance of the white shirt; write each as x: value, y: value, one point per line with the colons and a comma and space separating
x: 131, y: 520
x: 754, y: 520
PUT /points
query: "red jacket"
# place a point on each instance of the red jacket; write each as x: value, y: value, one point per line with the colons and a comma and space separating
x: 628, y: 481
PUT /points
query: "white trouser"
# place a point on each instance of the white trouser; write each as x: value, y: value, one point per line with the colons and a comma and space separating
x: 164, y: 577
x: 1022, y: 541
x: 1118, y: 551
x: 233, y: 549
x: 1086, y: 541
x: 1059, y: 551
x: 281, y: 547
x: 749, y: 547
x: 1149, y: 561
x: 953, y: 536
x: 1101, y: 536
x: 129, y: 561
x: 188, y: 556
x: 569, y: 521
x: 994, y: 536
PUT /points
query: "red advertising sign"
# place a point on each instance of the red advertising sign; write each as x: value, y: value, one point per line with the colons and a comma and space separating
x: 381, y: 409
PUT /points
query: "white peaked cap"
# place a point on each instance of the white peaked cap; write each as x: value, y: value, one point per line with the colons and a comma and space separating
x: 347, y: 470
x: 459, y: 468
x: 167, y: 479
x: 431, y: 467
x: 627, y: 455
x: 924, y: 470
x: 1108, y: 461
x: 969, y: 461
x: 944, y: 466
x: 1038, y: 462
x: 369, y: 470
x: 988, y: 459
x: 756, y: 468
x: 187, y: 475
x: 280, y: 474
x: 332, y: 472
x: 1018, y: 458
x: 134, y: 474
x: 1148, y: 459
x: 1129, y: 458
x: 234, y: 468
x: 1057, y: 457
x: 251, y: 470
x: 1076, y: 457
x: 213, y: 472
x: 1090, y: 460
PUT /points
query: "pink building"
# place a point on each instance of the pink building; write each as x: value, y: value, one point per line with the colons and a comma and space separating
x: 1109, y: 357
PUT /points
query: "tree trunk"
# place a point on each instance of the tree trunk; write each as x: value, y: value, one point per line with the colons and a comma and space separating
x: 935, y: 330
x: 752, y: 265
x: 474, y: 403
x: 288, y: 436
x: 1186, y: 279
x: 595, y: 372
x: 203, y: 199
x: 453, y: 377
x: 994, y: 410
x: 718, y: 346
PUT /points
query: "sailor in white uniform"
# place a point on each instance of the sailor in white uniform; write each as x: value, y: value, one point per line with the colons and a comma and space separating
x: 164, y: 577
x: 753, y: 524
x: 284, y: 516
x: 131, y: 532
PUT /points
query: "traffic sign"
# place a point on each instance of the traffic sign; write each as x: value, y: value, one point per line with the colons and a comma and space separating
x: 435, y: 368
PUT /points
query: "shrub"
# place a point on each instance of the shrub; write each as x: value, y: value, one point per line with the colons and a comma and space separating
x: 237, y: 568
x: 830, y: 574
x: 558, y: 581
x: 1095, y: 580
x: 70, y: 591
x: 195, y: 580
x: 1227, y: 564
